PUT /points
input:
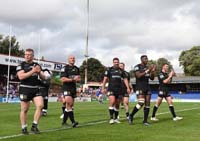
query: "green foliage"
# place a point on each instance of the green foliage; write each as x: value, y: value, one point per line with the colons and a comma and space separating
x: 56, y: 81
x: 189, y: 61
x: 161, y: 62
x: 95, y: 70
x: 5, y: 43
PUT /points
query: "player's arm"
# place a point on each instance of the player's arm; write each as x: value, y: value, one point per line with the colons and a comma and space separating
x: 41, y: 75
x: 76, y: 78
x: 66, y: 79
x: 24, y: 75
x: 40, y: 72
x: 138, y: 73
x: 127, y: 85
x: 152, y: 70
x: 105, y: 79
x: 169, y: 78
x: 131, y: 87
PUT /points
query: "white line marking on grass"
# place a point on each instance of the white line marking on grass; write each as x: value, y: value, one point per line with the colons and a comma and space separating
x: 55, y: 129
x: 82, y: 125
x: 179, y: 111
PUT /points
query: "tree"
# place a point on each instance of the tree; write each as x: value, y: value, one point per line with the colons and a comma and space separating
x: 159, y: 63
x: 5, y: 44
x: 95, y: 70
x: 189, y: 61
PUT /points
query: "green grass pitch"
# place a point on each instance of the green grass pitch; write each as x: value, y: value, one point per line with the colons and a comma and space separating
x: 93, y: 121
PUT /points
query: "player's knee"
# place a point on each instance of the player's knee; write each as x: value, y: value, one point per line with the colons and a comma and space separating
x: 140, y: 103
x: 24, y: 110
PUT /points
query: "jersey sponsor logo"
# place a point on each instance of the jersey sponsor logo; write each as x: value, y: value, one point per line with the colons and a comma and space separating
x: 106, y: 72
x: 116, y: 76
x: 160, y: 92
x: 136, y: 68
x: 19, y: 68
x: 162, y: 76
x: 66, y: 93
x: 109, y: 93
x: 23, y: 97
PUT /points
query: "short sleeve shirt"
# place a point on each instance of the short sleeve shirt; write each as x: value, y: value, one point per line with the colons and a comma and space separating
x: 115, y: 75
x: 70, y: 72
x: 162, y: 86
x: 142, y: 83
x: 26, y: 67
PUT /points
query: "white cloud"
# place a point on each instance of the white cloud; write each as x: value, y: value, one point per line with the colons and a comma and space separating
x: 122, y: 28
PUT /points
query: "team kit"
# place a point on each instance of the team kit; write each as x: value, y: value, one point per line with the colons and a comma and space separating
x: 35, y: 82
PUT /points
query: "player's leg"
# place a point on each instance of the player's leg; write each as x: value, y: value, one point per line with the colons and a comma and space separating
x: 45, y: 100
x: 171, y: 108
x: 126, y: 105
x: 155, y: 108
x: 116, y: 109
x: 111, y: 108
x: 147, y: 108
x: 38, y: 101
x: 23, y: 116
x: 138, y: 106
x: 69, y: 110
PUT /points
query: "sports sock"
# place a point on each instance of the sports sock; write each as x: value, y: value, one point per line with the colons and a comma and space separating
x: 116, y: 113
x: 135, y: 110
x: 155, y: 108
x: 171, y: 108
x: 65, y: 116
x: 71, y: 116
x: 111, y: 111
x: 146, y: 114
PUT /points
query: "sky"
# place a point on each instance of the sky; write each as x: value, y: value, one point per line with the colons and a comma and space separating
x: 125, y: 29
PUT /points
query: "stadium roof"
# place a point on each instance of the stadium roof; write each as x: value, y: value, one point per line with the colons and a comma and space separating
x: 182, y: 79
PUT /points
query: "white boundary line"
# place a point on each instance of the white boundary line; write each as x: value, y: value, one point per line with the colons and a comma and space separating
x: 82, y: 125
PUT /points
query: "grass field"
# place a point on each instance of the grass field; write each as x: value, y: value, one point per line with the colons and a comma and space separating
x: 94, y: 126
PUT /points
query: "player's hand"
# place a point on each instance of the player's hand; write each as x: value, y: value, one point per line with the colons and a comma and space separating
x: 152, y: 68
x: 128, y: 90
x: 38, y: 69
x: 76, y: 78
x: 171, y: 74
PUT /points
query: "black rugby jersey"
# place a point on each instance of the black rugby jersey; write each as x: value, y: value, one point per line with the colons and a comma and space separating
x: 128, y: 77
x: 69, y: 72
x: 115, y: 75
x: 163, y: 86
x: 32, y: 80
x: 142, y: 83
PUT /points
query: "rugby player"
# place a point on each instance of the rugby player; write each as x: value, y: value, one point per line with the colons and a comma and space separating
x: 70, y: 75
x: 165, y: 78
x: 28, y: 73
x: 125, y: 98
x: 143, y: 73
x: 114, y: 75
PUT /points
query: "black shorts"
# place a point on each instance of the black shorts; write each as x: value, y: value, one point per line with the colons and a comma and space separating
x: 68, y: 93
x: 143, y: 92
x: 44, y: 92
x: 27, y: 94
x: 115, y: 92
x: 163, y: 94
x: 124, y: 93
